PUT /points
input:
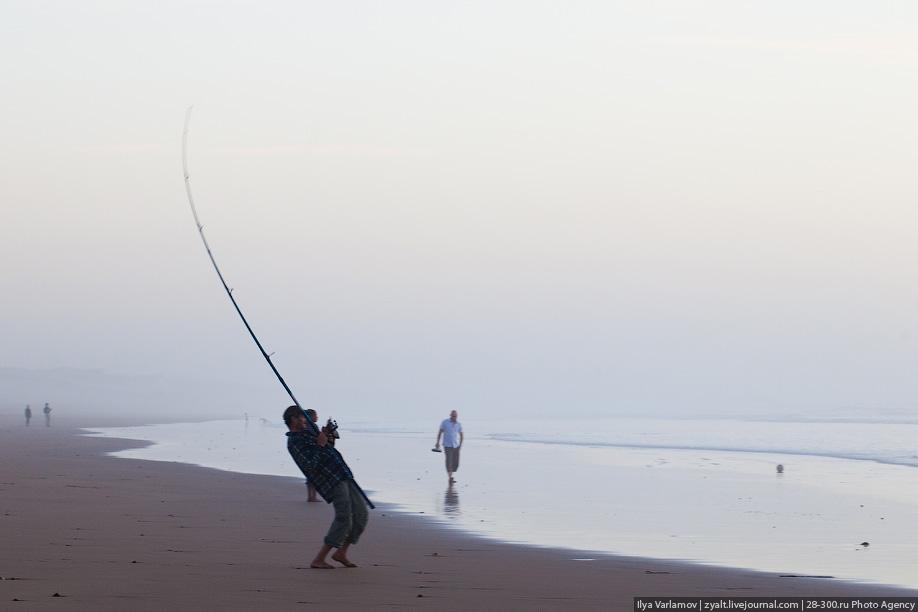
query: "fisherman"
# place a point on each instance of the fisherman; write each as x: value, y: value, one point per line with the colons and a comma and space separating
x: 325, y: 469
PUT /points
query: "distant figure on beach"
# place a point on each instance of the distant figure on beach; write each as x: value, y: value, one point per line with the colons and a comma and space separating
x: 311, y: 490
x: 28, y: 415
x: 47, y: 412
x: 451, y: 430
x: 326, y: 470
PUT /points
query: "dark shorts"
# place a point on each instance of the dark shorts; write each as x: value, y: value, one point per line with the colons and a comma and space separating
x: 452, y: 458
x: 351, y: 515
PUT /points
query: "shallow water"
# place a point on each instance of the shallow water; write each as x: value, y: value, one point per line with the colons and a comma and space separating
x: 705, y: 491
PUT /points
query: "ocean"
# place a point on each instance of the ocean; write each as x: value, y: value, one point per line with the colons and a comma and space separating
x: 699, y: 490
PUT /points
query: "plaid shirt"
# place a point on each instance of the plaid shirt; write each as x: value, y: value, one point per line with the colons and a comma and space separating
x: 323, y: 466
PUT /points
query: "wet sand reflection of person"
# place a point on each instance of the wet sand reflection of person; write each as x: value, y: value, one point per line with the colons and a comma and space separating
x: 451, y: 501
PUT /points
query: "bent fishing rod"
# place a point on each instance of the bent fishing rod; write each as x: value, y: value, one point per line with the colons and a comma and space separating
x: 229, y: 292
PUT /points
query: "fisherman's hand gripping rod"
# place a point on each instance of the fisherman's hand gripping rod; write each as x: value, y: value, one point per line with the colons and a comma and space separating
x: 229, y: 292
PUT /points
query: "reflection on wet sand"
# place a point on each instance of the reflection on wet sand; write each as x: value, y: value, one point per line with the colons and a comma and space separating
x: 451, y: 501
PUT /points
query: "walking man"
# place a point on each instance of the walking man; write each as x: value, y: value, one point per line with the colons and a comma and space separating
x: 451, y: 430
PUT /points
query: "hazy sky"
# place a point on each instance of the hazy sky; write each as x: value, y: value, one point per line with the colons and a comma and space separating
x: 555, y: 207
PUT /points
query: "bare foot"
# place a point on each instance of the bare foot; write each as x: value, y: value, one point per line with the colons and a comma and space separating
x: 322, y: 565
x: 343, y: 561
x: 312, y: 500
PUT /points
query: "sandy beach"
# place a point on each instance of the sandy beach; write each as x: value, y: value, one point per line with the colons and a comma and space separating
x: 82, y: 531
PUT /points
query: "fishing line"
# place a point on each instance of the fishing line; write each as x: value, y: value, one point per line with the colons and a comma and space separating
x: 229, y: 292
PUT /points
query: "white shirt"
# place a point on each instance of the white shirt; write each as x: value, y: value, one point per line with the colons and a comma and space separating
x: 451, y: 433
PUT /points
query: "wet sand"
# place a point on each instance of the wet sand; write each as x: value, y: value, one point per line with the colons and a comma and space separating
x: 82, y: 531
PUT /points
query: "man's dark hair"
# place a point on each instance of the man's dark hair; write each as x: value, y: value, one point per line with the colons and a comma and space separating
x: 289, y: 412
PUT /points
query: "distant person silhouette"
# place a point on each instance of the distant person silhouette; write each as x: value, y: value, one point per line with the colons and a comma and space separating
x: 28, y: 415
x: 47, y: 412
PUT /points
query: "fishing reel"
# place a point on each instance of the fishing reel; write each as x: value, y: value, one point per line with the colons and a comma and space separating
x: 330, y: 429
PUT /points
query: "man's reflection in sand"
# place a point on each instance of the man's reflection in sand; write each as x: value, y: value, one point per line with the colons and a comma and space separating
x: 451, y: 501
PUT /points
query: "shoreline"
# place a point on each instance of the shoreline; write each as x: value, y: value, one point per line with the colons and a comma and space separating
x: 108, y: 533
x: 709, y: 507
